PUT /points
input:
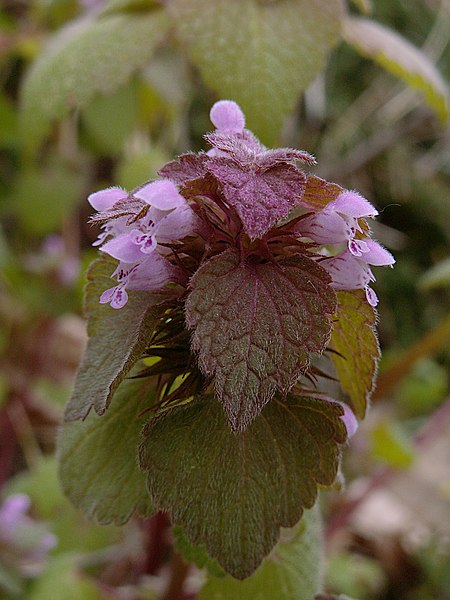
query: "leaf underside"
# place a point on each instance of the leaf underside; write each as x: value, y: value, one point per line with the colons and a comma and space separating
x: 117, y: 339
x: 97, y: 457
x: 255, y: 325
x: 354, y: 338
x: 232, y: 492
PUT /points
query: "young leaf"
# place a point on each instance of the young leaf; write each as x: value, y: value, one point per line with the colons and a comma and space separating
x: 277, y: 46
x: 232, y: 492
x: 97, y: 457
x: 355, y: 340
x: 293, y: 570
x: 85, y: 58
x: 116, y: 341
x: 319, y: 192
x: 398, y: 56
x: 255, y: 326
x: 261, y: 196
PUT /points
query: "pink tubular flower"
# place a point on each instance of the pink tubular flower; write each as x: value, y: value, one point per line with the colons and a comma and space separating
x: 136, y: 243
x: 338, y: 222
x: 350, y: 272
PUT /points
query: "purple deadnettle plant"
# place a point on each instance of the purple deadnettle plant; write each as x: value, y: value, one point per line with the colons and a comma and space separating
x: 241, y: 288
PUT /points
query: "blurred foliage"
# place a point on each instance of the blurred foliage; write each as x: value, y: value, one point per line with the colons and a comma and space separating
x: 95, y: 93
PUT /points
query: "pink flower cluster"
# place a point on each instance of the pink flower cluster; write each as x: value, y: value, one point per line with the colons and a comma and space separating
x: 338, y: 224
x: 249, y: 174
x: 139, y: 245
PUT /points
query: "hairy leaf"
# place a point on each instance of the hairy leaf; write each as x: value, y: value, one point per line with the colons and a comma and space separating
x: 261, y: 54
x: 261, y: 197
x: 255, y: 326
x: 400, y: 57
x: 186, y: 167
x: 85, y: 58
x: 293, y: 570
x: 355, y: 340
x: 97, y: 457
x: 232, y: 492
x: 117, y: 339
x: 319, y: 192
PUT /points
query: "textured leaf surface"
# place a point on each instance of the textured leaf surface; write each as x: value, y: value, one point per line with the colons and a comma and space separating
x: 116, y: 341
x: 261, y: 54
x: 97, y: 457
x: 355, y: 339
x: 255, y: 325
x: 400, y: 57
x: 232, y: 492
x: 85, y: 58
x: 319, y: 192
x: 293, y: 570
x: 261, y: 197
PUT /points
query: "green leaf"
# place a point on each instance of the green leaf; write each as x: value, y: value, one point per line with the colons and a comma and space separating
x: 83, y: 59
x: 398, y: 56
x: 232, y: 492
x: 293, y: 570
x: 255, y: 326
x: 261, y: 54
x: 355, y: 339
x: 97, y: 457
x: 117, y: 339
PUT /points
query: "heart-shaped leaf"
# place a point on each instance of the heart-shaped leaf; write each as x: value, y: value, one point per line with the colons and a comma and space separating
x: 233, y: 491
x: 261, y: 54
x: 255, y: 326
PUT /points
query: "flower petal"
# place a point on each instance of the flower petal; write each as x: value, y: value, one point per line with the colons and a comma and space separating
x: 105, y: 199
x: 353, y: 204
x: 177, y: 224
x: 123, y: 248
x: 377, y: 255
x: 348, y: 272
x: 325, y: 227
x: 227, y: 117
x: 162, y: 194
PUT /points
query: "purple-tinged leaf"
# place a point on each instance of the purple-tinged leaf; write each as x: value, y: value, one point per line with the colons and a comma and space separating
x: 355, y: 340
x: 270, y: 158
x: 185, y: 168
x: 117, y: 339
x: 319, y: 192
x: 260, y: 197
x: 232, y: 492
x: 243, y: 147
x: 255, y: 325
